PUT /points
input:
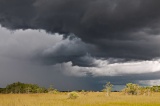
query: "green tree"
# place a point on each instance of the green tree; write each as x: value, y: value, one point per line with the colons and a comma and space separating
x: 19, y: 87
x: 132, y: 89
x: 108, y: 88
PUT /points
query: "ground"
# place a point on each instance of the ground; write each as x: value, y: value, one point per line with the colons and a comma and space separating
x: 84, y: 99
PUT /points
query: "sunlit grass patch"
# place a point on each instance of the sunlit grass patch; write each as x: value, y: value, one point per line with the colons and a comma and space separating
x: 89, y: 99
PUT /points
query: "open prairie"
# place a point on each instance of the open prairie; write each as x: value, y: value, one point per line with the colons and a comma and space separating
x: 84, y: 99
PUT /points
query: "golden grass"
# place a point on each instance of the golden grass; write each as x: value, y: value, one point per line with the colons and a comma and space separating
x: 89, y: 99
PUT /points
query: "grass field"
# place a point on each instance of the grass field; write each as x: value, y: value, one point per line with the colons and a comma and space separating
x: 89, y: 99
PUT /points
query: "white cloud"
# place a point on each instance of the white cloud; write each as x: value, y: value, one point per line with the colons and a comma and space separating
x: 149, y: 82
x: 104, y: 68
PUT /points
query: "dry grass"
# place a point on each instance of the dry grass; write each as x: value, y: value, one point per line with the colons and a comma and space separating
x: 89, y: 99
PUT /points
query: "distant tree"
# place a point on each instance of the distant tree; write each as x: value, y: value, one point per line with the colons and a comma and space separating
x: 19, y: 87
x: 108, y: 88
x: 132, y: 89
x: 156, y: 88
x: 52, y: 90
x: 2, y: 90
x: 28, y: 89
x: 39, y: 90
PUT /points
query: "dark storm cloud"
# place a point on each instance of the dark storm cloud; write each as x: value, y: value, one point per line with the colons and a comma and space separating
x: 18, y: 51
x: 67, y: 50
x: 118, y: 28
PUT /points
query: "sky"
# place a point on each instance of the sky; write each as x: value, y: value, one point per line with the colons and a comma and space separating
x: 80, y: 44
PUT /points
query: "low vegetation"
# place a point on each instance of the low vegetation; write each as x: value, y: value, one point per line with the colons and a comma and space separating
x: 20, y: 94
x: 73, y: 95
x: 135, y: 89
x: 130, y: 89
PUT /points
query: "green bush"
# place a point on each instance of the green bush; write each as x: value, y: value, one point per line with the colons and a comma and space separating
x: 73, y: 95
x: 132, y: 89
x: 55, y: 91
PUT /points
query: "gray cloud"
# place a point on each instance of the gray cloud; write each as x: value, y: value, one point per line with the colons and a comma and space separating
x: 18, y: 51
x: 119, y: 29
x: 98, y: 40
x: 68, y: 50
x: 18, y: 62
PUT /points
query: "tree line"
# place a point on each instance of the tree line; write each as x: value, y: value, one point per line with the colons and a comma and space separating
x: 133, y: 89
x: 19, y: 87
x: 129, y: 89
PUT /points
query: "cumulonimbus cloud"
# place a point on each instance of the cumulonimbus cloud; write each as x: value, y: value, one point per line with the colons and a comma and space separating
x: 22, y: 51
x: 118, y: 28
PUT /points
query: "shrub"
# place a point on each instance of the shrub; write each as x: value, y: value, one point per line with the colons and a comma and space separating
x: 73, y: 95
x: 132, y: 89
x: 107, y: 88
x: 55, y: 91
